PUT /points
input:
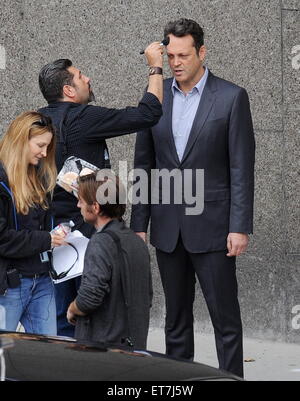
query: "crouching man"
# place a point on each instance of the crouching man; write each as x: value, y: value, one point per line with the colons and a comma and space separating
x: 114, y: 299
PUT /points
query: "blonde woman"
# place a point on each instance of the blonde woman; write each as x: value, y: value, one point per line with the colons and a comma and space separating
x: 27, y: 179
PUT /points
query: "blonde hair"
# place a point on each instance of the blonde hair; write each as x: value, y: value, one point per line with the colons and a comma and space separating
x: 29, y: 184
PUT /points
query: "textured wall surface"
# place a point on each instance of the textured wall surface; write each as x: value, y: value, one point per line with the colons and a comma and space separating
x: 254, y: 43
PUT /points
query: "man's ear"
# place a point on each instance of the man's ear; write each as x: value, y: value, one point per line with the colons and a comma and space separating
x: 96, y: 208
x: 69, y: 91
x: 202, y: 53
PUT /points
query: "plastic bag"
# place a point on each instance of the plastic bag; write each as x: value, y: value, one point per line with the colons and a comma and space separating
x: 73, y: 168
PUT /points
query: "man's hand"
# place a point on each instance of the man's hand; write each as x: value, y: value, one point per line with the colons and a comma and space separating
x: 71, y: 317
x: 154, y: 54
x: 142, y: 235
x: 73, y: 312
x: 237, y: 243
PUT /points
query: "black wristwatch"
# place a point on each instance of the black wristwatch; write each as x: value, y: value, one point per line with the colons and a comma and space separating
x: 155, y: 70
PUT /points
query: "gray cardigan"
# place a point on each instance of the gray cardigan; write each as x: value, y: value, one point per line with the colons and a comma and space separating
x: 100, y: 295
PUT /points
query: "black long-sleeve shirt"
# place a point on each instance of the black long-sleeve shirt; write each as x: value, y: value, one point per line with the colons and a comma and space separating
x: 81, y: 132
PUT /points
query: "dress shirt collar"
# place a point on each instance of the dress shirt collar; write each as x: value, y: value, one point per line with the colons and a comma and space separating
x: 199, y: 85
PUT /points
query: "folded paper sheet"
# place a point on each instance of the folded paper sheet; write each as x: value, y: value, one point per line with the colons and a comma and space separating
x: 65, y: 256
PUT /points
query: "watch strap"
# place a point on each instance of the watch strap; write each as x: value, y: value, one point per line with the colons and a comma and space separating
x: 155, y: 70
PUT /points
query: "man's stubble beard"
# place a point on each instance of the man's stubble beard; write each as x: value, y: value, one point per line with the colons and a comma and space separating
x: 91, y: 97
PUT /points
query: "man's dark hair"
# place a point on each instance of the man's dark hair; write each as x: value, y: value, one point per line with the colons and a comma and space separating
x: 88, y: 187
x: 53, y: 77
x: 183, y: 27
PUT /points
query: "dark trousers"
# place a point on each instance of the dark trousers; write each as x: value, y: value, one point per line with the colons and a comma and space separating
x: 65, y: 293
x: 217, y: 277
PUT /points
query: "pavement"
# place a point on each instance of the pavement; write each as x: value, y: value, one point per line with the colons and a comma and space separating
x: 267, y: 360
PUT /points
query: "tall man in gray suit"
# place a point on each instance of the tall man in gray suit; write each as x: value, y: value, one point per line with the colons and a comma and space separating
x: 206, y: 125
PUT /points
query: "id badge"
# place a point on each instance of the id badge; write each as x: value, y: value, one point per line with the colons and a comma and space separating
x: 44, y: 257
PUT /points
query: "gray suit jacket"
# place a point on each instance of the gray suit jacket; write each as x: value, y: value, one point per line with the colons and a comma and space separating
x: 222, y: 143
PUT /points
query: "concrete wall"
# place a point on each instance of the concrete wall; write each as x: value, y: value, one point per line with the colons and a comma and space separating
x: 254, y: 43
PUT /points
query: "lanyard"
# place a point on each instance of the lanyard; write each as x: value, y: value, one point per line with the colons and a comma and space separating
x: 13, y: 202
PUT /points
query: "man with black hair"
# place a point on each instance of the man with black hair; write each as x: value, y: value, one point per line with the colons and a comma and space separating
x: 206, y: 126
x: 82, y: 130
x: 114, y: 298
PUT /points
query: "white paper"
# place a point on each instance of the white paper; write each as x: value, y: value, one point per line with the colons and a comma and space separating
x: 64, y: 256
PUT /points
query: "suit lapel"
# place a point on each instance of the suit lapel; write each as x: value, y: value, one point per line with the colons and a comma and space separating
x: 168, y: 96
x: 207, y: 100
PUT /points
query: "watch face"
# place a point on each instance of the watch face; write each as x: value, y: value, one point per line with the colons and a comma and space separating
x: 151, y: 70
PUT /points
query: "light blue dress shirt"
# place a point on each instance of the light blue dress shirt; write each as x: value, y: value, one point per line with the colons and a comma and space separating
x: 184, y: 111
